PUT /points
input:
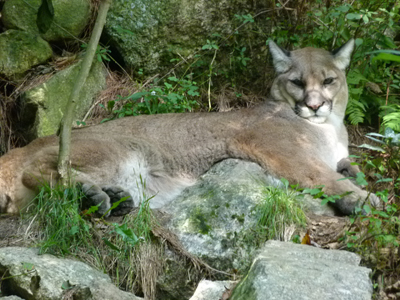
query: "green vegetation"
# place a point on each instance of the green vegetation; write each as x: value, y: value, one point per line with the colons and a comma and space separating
x: 175, y: 96
x: 374, y: 233
x: 280, y: 214
x: 121, y: 249
x: 199, y: 221
x: 63, y: 228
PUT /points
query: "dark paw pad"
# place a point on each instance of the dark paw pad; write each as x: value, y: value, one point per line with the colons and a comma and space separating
x: 116, y: 193
x: 94, y: 196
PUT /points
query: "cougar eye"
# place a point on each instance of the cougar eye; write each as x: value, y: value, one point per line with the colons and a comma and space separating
x: 297, y: 82
x: 328, y: 81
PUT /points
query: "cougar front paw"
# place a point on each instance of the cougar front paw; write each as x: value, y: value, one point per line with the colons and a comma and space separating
x: 345, y: 168
x: 350, y: 202
x: 116, y: 193
x: 94, y: 196
x: 375, y: 201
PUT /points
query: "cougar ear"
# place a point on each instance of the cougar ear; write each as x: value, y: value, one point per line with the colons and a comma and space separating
x: 342, y: 55
x: 280, y: 57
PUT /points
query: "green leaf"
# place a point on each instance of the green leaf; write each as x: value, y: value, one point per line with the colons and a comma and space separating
x: 345, y: 178
x: 359, y: 42
x: 354, y: 77
x: 285, y: 182
x: 137, y: 96
x: 74, y: 230
x: 352, y: 16
x: 45, y: 16
x: 168, y: 85
x: 66, y: 285
x: 173, y: 78
x: 387, y: 57
x: 343, y: 8
x: 127, y: 234
x: 110, y: 105
x: 115, y: 204
x: 28, y: 266
x: 111, y: 245
x: 382, y: 214
x: 360, y: 179
x: 367, y: 209
x: 370, y: 147
x: 92, y: 210
x: 385, y: 180
x: 324, y: 201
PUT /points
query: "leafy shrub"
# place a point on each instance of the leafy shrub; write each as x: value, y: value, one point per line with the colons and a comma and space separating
x: 177, y: 95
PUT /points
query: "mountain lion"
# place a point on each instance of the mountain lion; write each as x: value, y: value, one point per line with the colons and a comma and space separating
x: 298, y: 135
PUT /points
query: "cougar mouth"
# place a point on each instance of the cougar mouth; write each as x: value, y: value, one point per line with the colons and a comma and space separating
x: 318, y: 115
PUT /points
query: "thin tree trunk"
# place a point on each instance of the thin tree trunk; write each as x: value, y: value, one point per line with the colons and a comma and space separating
x: 66, y: 123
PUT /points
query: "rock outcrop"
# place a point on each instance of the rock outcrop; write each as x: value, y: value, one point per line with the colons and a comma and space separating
x: 288, y: 271
x: 45, y: 277
x: 20, y: 51
x: 70, y: 18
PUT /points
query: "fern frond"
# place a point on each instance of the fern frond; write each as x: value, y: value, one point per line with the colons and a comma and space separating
x: 392, y: 119
x: 355, y: 111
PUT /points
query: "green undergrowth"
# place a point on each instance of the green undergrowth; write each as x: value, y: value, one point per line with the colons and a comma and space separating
x: 374, y: 233
x: 281, y: 214
x: 120, y: 249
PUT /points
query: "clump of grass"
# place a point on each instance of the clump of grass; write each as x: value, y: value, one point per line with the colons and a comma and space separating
x: 280, y: 212
x: 137, y: 253
x: 62, y: 228
x: 127, y: 250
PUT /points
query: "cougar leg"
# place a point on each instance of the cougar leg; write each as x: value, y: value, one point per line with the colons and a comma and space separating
x: 308, y: 174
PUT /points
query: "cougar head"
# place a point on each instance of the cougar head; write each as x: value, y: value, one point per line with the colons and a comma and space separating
x: 312, y: 81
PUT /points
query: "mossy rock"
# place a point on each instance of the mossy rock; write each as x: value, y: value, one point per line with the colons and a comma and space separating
x: 44, y: 105
x: 20, y: 51
x: 70, y: 17
x: 150, y: 34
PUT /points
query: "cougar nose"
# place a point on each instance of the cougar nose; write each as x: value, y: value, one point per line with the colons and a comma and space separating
x: 313, y: 106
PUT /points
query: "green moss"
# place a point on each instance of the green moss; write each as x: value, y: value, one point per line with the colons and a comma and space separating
x: 70, y: 17
x: 44, y: 104
x: 154, y: 31
x: 199, y: 221
x: 20, y: 51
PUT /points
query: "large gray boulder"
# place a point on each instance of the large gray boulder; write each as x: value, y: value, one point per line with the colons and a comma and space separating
x: 20, y: 51
x: 43, y: 106
x: 215, y: 218
x: 70, y: 17
x: 45, y: 277
x: 288, y: 271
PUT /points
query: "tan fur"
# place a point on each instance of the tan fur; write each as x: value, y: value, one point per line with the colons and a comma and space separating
x: 170, y: 151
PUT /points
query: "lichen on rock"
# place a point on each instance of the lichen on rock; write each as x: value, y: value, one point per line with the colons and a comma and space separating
x: 43, y: 105
x: 70, y: 17
x: 20, y: 51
